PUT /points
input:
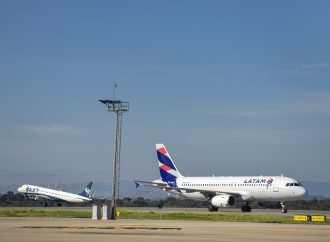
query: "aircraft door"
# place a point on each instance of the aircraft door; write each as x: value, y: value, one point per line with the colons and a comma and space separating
x: 276, y: 186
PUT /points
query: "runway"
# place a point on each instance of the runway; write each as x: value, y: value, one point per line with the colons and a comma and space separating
x: 71, y: 229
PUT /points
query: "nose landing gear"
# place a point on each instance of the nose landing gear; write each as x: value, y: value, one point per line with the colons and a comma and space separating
x: 284, y: 206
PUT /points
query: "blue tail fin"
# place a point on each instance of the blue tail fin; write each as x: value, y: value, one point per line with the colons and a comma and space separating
x: 87, y: 191
x: 167, y: 168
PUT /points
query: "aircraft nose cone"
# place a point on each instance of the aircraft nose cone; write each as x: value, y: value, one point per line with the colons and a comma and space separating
x: 303, y: 191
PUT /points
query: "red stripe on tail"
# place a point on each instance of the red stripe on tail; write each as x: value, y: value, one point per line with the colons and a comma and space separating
x: 162, y: 150
x: 165, y: 168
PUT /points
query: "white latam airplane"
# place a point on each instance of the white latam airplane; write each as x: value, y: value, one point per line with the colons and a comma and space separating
x: 225, y: 191
x: 42, y: 193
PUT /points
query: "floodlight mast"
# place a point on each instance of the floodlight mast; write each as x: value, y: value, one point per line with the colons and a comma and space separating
x: 118, y: 107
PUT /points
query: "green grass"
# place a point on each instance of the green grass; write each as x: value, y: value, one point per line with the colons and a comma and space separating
x: 226, y: 217
x: 131, y: 214
x: 58, y: 213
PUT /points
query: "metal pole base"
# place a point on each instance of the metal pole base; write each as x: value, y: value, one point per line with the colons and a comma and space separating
x: 113, y: 213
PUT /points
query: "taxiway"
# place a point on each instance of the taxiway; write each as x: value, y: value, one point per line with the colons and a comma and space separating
x: 71, y: 229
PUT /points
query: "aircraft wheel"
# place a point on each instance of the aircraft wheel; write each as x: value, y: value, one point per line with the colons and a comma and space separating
x: 246, y: 209
x: 284, y: 207
x: 213, y: 209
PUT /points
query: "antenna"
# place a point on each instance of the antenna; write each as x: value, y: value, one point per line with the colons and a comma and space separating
x: 114, y: 90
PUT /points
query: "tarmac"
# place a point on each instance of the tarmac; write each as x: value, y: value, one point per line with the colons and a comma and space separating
x: 72, y: 229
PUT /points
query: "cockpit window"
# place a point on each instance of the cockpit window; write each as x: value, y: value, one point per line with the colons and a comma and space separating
x: 293, y: 184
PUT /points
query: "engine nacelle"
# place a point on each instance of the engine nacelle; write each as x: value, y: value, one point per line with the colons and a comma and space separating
x: 32, y: 197
x: 223, y: 201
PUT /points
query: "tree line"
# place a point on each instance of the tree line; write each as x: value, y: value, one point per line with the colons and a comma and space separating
x: 11, y: 199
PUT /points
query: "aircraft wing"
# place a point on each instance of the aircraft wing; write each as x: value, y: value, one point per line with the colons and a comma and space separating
x: 87, y: 199
x: 150, y: 184
x: 162, y: 185
x: 40, y: 196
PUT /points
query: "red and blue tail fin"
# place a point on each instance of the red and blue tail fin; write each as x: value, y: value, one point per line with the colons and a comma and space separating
x: 167, y: 168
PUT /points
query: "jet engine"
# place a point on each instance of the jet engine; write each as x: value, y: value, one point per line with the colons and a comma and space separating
x: 32, y: 197
x: 223, y: 201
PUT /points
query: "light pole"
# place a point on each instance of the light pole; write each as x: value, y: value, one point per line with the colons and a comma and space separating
x: 118, y: 107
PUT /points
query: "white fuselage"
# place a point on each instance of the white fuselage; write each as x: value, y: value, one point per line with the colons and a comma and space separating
x: 51, y: 194
x: 249, y: 188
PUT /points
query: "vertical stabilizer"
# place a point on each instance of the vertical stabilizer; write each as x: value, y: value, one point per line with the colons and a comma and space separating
x: 87, y: 191
x: 167, y: 168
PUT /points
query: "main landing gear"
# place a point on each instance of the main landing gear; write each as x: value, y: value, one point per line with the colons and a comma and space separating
x: 284, y: 206
x: 213, y: 209
x: 246, y: 208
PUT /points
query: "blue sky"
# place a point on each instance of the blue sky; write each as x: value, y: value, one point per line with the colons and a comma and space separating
x: 230, y: 87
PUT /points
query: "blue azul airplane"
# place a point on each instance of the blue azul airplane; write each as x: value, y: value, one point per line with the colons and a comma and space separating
x: 36, y: 193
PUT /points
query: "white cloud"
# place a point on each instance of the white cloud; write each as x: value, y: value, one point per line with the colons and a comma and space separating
x: 51, y: 129
x: 160, y: 68
x: 308, y: 103
x: 252, y: 112
x: 175, y: 69
x: 316, y: 66
x: 317, y: 104
x: 268, y: 136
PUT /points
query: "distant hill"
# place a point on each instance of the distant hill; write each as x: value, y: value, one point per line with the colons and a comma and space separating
x: 102, y: 189
x: 316, y: 190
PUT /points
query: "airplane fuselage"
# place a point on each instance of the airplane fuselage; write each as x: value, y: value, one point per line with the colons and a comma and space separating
x: 250, y: 188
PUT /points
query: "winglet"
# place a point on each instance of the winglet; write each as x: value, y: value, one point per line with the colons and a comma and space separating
x: 136, y: 184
